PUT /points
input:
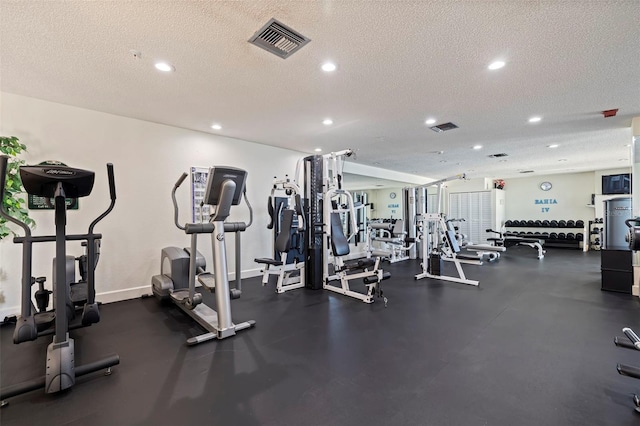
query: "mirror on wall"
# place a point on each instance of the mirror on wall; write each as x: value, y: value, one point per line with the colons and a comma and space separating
x: 635, y: 183
x: 384, y: 196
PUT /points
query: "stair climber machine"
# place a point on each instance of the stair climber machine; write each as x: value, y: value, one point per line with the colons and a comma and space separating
x: 288, y: 225
x: 58, y: 182
x: 181, y: 267
x: 328, y: 207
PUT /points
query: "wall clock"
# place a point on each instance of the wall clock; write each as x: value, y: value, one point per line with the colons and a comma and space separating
x: 392, y: 195
x: 545, y: 186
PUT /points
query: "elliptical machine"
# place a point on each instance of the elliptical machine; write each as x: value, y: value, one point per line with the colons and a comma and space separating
x: 58, y: 182
x: 180, y: 268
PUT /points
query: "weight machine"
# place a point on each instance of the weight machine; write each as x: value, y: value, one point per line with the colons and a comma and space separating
x: 392, y: 239
x: 439, y: 242
x: 288, y: 224
x: 431, y: 228
x: 329, y: 208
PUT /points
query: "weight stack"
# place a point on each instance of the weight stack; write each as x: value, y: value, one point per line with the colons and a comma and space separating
x: 313, y: 212
x: 435, y: 264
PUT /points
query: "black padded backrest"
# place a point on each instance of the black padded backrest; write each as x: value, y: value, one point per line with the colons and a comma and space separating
x: 451, y: 238
x: 298, y: 201
x: 398, y: 227
x: 271, y: 213
x: 339, y: 243
x: 283, y: 240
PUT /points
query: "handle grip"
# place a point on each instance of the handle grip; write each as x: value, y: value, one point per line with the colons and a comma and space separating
x: 631, y: 335
x: 180, y: 180
x: 628, y: 222
x: 112, y: 181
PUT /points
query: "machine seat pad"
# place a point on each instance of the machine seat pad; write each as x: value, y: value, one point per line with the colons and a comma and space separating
x: 467, y: 256
x: 359, y: 263
x: 266, y: 261
x: 523, y: 240
x: 374, y: 278
x: 208, y: 281
x: 484, y: 247
x: 392, y: 240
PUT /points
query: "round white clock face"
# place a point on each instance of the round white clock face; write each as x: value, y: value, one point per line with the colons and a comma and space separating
x: 545, y: 186
x: 392, y: 195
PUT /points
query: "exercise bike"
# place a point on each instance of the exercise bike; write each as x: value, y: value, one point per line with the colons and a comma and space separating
x: 181, y: 267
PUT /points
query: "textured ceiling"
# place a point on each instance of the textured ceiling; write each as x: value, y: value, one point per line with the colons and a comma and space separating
x: 398, y: 63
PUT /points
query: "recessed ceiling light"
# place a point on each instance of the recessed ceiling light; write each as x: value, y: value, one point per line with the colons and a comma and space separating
x: 318, y: 149
x: 477, y: 147
x: 430, y: 121
x: 496, y: 65
x: 628, y: 144
x: 443, y: 161
x: 164, y: 66
x: 535, y: 119
x: 328, y: 67
x: 555, y: 145
x: 216, y: 126
x: 327, y: 122
x: 562, y: 159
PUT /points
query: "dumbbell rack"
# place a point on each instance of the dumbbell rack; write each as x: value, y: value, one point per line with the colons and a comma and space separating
x: 595, y: 234
x: 565, y: 242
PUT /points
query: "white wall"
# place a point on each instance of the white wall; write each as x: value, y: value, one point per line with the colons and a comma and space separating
x: 148, y: 158
x: 570, y: 195
x: 385, y: 207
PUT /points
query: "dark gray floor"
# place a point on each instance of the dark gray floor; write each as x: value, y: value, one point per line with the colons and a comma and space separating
x: 533, y: 345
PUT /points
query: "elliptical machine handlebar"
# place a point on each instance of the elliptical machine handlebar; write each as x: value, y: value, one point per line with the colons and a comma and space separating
x: 175, y: 203
x: 112, y: 194
x: 112, y: 181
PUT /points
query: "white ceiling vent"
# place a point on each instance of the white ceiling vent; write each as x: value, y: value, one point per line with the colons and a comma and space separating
x: 277, y: 38
x: 444, y: 127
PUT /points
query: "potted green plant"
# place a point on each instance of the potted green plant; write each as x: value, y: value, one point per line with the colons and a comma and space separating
x: 13, y: 202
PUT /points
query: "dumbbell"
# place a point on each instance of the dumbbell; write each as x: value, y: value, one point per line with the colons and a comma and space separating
x: 570, y: 236
x: 579, y: 223
x: 553, y: 236
x: 553, y: 223
x: 562, y: 224
x: 538, y: 223
x: 562, y: 236
x: 579, y: 237
x: 545, y: 235
x: 571, y: 224
x: 508, y: 223
x: 531, y: 223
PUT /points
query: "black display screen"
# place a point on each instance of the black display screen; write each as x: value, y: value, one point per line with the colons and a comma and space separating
x: 616, y: 184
